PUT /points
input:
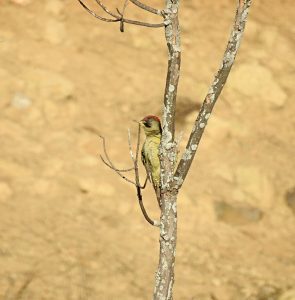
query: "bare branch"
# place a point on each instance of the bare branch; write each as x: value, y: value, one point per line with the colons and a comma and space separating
x: 138, y: 142
x: 139, y: 196
x: 97, y: 16
x: 136, y: 183
x: 146, y: 7
x: 214, y: 92
x: 135, y: 159
x: 122, y: 16
x: 145, y: 182
x: 118, y: 18
x: 171, y: 182
x: 106, y: 9
x: 145, y: 24
x: 116, y: 170
x: 138, y: 186
x: 111, y: 165
x: 125, y: 5
x: 105, y: 151
x: 167, y: 154
x: 172, y: 33
x: 130, y: 147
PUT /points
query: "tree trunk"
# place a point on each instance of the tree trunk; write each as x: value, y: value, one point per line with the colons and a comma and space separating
x: 172, y: 178
x: 168, y: 157
x: 168, y: 236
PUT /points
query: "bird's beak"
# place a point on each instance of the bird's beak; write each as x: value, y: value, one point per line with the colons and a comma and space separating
x: 141, y: 123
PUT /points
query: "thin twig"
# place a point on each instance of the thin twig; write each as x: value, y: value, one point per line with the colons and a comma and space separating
x: 105, y: 151
x: 118, y: 172
x: 124, y: 170
x: 146, y: 7
x: 139, y: 196
x: 136, y: 171
x: 95, y: 15
x: 118, y: 18
x: 106, y: 9
x: 214, y: 92
x: 145, y: 182
x: 145, y: 24
x: 122, y: 15
x: 110, y: 164
x: 135, y: 159
x: 138, y: 142
x: 130, y: 148
x: 136, y: 183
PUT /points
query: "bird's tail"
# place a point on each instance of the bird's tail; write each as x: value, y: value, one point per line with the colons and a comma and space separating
x: 158, y: 194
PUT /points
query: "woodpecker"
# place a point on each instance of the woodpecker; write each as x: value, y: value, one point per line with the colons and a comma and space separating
x: 150, y: 150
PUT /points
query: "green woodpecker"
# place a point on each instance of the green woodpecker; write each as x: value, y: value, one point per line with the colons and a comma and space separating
x: 150, y: 150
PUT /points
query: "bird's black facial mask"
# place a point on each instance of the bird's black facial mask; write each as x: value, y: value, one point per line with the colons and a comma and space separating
x: 147, y: 123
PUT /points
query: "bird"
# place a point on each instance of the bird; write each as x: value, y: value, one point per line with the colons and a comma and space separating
x: 150, y: 151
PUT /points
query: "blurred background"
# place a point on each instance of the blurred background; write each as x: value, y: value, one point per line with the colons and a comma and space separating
x: 70, y: 228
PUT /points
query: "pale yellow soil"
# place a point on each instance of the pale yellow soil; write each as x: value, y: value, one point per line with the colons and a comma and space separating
x: 70, y: 228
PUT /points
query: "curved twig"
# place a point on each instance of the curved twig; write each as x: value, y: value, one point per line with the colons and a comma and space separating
x: 118, y: 18
x: 214, y: 91
x: 118, y: 172
x: 110, y: 164
x: 106, y: 9
x: 139, y: 196
x: 146, y: 7
x: 95, y: 15
x: 136, y: 171
x: 115, y: 169
x: 122, y: 16
x: 136, y: 183
x: 145, y: 24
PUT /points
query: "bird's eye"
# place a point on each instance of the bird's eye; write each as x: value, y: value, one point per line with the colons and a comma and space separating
x: 147, y: 124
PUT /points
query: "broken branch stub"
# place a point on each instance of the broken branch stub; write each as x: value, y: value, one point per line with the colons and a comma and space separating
x: 213, y: 93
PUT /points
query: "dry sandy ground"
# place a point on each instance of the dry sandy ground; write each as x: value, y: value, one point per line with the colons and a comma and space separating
x: 70, y: 228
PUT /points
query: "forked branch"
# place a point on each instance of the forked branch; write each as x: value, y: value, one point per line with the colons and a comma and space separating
x: 97, y: 16
x: 136, y: 171
x: 146, y: 7
x: 172, y: 181
x: 214, y: 92
x: 108, y: 162
x: 120, y: 17
x: 106, y: 9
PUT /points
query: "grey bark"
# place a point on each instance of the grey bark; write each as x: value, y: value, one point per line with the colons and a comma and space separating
x: 214, y: 91
x: 168, y: 228
x: 170, y: 182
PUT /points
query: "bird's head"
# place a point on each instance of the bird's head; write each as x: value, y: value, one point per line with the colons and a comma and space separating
x: 151, y: 125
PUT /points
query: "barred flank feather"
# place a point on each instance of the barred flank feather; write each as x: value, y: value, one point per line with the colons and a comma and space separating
x: 150, y: 159
x: 150, y: 151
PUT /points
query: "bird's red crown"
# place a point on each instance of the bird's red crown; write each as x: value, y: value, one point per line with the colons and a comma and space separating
x: 151, y: 117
